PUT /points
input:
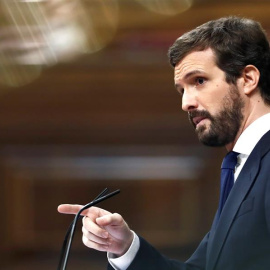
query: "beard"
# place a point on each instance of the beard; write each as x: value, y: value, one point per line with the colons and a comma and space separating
x: 225, y: 125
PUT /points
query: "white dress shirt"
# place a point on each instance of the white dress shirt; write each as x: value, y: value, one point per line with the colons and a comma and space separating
x: 244, y: 146
x: 248, y: 139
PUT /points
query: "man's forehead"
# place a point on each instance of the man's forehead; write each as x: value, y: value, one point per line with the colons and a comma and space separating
x: 198, y: 56
x: 196, y: 60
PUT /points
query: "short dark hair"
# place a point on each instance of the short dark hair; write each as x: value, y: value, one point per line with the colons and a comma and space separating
x: 236, y: 42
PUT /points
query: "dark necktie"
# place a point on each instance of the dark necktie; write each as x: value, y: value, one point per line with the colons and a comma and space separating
x: 227, y: 178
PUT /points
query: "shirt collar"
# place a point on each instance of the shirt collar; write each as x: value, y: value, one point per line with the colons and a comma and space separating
x: 252, y: 134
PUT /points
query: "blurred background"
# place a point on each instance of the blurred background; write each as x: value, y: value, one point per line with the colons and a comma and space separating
x: 87, y: 101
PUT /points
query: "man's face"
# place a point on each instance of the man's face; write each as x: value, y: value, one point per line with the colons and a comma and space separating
x: 214, y: 107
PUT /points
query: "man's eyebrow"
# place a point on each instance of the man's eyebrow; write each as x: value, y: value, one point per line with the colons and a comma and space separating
x: 192, y: 73
x: 189, y: 74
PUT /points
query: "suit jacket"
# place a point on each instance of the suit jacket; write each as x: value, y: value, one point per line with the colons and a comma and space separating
x: 240, y: 239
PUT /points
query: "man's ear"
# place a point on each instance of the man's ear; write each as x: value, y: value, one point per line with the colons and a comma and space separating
x: 250, y: 76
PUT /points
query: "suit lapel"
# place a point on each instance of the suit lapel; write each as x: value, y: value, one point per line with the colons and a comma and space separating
x: 243, y: 184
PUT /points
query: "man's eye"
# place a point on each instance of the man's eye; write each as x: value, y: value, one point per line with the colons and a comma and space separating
x: 200, y: 80
x: 182, y: 91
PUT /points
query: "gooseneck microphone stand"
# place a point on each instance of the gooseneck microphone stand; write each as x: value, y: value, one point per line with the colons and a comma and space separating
x: 71, y: 230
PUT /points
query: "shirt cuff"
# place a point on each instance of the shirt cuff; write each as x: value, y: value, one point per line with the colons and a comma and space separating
x: 123, y: 262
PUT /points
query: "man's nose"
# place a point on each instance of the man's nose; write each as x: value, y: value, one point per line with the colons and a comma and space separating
x: 189, y: 102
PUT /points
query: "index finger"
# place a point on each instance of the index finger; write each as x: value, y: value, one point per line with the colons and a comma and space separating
x: 92, y: 212
x: 69, y: 208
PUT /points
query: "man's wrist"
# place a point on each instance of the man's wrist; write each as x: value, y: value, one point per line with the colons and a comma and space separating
x: 123, y: 262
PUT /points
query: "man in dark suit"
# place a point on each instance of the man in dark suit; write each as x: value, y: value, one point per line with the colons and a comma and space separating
x: 222, y: 73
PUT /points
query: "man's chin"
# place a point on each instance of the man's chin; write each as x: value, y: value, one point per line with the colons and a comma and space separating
x: 213, y: 141
x: 201, y: 130
x: 208, y: 139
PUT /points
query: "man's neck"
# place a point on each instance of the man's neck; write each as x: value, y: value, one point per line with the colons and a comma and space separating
x: 253, y: 116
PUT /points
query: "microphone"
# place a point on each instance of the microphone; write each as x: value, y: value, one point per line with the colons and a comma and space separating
x: 71, y: 230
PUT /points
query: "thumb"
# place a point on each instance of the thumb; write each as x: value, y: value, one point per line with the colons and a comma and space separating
x: 110, y: 220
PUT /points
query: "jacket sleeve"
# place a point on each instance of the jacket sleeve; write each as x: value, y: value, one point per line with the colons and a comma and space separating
x: 148, y: 258
x: 267, y: 202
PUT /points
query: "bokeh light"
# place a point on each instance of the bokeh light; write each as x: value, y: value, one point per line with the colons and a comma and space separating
x: 40, y: 33
x: 101, y: 22
x: 166, y: 7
